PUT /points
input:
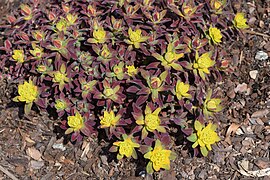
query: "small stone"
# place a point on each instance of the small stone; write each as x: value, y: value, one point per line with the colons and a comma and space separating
x: 253, y: 74
x: 260, y: 113
x: 59, y: 146
x: 241, y: 88
x: 36, y: 164
x: 261, y: 55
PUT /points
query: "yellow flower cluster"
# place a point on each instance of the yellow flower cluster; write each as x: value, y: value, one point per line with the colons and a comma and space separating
x: 126, y: 147
x: 159, y: 158
x: 109, y: 119
x: 204, y: 137
x: 75, y: 123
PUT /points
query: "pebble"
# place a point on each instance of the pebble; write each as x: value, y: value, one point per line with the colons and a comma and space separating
x: 253, y: 74
x: 261, y: 55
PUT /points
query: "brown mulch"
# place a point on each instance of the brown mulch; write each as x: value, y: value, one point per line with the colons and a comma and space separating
x: 30, y: 148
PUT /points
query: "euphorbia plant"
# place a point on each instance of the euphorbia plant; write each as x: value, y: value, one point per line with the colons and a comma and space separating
x: 123, y: 67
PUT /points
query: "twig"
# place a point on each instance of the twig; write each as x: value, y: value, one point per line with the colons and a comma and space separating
x: 257, y: 33
x: 8, y: 173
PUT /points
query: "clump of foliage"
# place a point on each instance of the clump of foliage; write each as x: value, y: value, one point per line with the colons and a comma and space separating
x: 131, y: 69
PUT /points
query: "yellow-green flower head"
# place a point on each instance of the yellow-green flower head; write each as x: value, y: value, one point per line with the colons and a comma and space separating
x: 62, y: 25
x: 76, y: 122
x: 211, y: 105
x: 71, y: 19
x: 131, y: 70
x: 136, y: 37
x: 205, y: 137
x: 60, y: 104
x: 155, y: 82
x: 181, y: 90
x: 105, y: 52
x: 109, y: 119
x: 126, y: 147
x: 100, y: 35
x: 41, y: 68
x: 171, y: 55
x: 159, y: 158
x: 108, y: 92
x: 152, y: 120
x: 18, y: 55
x: 37, y: 52
x: 28, y: 92
x: 240, y: 21
x: 203, y: 63
x: 215, y: 35
x: 60, y: 77
x: 119, y: 71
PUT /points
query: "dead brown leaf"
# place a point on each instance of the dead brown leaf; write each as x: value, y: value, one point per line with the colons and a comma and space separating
x: 231, y: 131
x: 34, y: 153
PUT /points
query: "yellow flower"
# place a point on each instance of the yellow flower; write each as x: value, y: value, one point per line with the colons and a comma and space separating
x: 105, y: 52
x: 75, y: 123
x: 170, y: 58
x: 28, y: 92
x: 131, y: 70
x: 217, y: 5
x: 205, y: 137
x: 18, y: 55
x: 159, y: 158
x: 126, y: 147
x: 37, y: 52
x: 151, y: 121
x: 60, y: 104
x: 181, y: 90
x: 71, y: 19
x: 60, y: 77
x: 240, y: 21
x: 62, y: 25
x: 215, y: 35
x: 135, y: 37
x: 118, y: 70
x: 202, y: 64
x: 109, y: 119
x: 99, y: 35
x: 211, y: 105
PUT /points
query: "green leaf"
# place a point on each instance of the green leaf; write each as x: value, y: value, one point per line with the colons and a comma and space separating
x: 144, y: 133
x: 198, y: 126
x: 15, y: 99
x: 149, y: 168
x: 192, y: 137
x: 119, y: 157
x: 158, y: 56
x: 204, y: 151
x: 27, y: 108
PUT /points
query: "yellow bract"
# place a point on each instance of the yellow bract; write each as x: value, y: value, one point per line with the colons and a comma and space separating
x: 60, y: 77
x: 215, y: 35
x: 135, y: 37
x: 240, y: 21
x: 37, y: 52
x: 100, y: 35
x: 206, y: 136
x: 105, y: 52
x: 211, y: 105
x: 75, y: 122
x: 151, y: 121
x: 181, y: 90
x: 71, y: 19
x: 62, y: 25
x: 60, y: 104
x: 202, y: 64
x: 109, y: 119
x: 159, y: 158
x: 126, y: 147
x: 18, y: 55
x: 131, y: 70
x: 28, y: 92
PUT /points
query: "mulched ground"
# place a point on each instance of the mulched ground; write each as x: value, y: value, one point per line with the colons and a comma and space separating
x: 30, y: 148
